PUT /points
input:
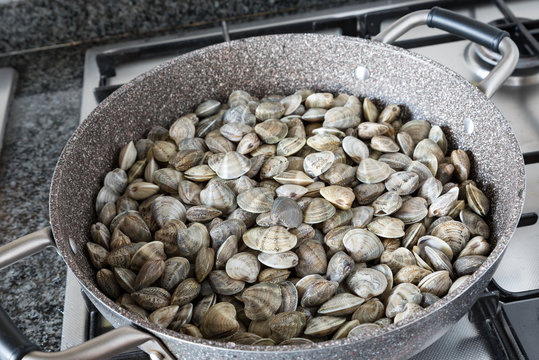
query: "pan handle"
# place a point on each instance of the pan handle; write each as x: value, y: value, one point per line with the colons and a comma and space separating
x: 14, y: 345
x: 471, y: 29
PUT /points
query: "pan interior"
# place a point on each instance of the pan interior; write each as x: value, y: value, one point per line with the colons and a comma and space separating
x: 282, y: 64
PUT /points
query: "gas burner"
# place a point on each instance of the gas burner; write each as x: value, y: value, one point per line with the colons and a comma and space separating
x: 524, y: 32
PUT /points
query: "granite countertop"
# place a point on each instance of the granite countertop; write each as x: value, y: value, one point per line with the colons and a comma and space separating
x: 45, y: 41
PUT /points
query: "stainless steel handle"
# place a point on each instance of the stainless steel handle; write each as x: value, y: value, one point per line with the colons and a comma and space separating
x: 107, y: 345
x: 506, y: 47
x: 14, y: 345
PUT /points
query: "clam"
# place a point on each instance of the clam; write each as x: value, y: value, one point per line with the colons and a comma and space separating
x: 426, y: 148
x: 269, y: 110
x: 128, y: 156
x: 165, y: 208
x: 271, y: 131
x: 340, y: 118
x: 389, y: 114
x: 149, y: 272
x: 386, y: 226
x: 467, y: 265
x: 202, y: 213
x: 428, y: 299
x: 477, y: 200
x: 397, y: 161
x: 368, y: 130
x: 362, y: 245
x: 319, y: 100
x: 397, y: 259
x: 445, y: 172
x: 363, y: 330
x: 175, y: 271
x: 438, y: 260
x: 420, y: 169
x: 235, y: 131
x: 370, y: 112
x: 227, y: 249
x: 355, y: 149
x: 476, y: 246
x: 273, y: 166
x: 417, y: 129
x: 223, y: 284
x: 219, y: 321
x: 410, y: 309
x: 256, y: 200
x: 183, y: 128
x: 199, y: 173
x: 286, y: 212
x: 412, y: 234
x: 341, y: 217
x: 239, y: 113
x: 208, y: 108
x: 243, y: 266
x: 410, y: 274
x: 387, y: 203
x: 204, y: 263
x: 461, y: 162
x: 361, y: 216
x: 232, y: 166
x: 454, y: 233
x: 430, y: 190
x: 313, y: 115
x: 366, y: 193
x: 444, y: 203
x: 151, y: 298
x: 284, y: 260
x: 458, y: 282
x: 341, y: 304
x: 290, y: 145
x: 248, y: 144
x: 295, y: 177
x: 401, y: 295
x: 185, y: 159
x: 318, y: 210
x: 369, y: 312
x: 116, y: 180
x: 163, y: 151
x: 384, y: 144
x: 262, y: 300
x: 339, y: 196
x: 323, y: 325
x: 225, y: 229
x: 402, y: 182
x: 275, y: 276
x: 324, y: 142
x: 274, y: 239
x: 370, y: 171
x: 106, y: 195
x: 151, y: 251
x: 339, y: 266
x: 291, y: 191
x: 143, y: 146
x: 182, y: 317
x: 412, y: 210
x: 290, y: 297
x: 318, y: 292
x: 189, y: 192
x: 291, y: 103
x: 339, y: 174
x: 311, y: 259
x: 437, y: 135
x: 367, y: 283
x: 185, y: 292
x: 437, y: 283
x: 107, y: 283
x: 164, y: 316
x: 317, y: 163
x: 192, y: 239
x: 287, y: 325
x: 101, y: 235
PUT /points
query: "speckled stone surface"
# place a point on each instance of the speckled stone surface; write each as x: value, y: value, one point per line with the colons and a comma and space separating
x: 30, y: 24
x: 282, y: 64
x: 32, y: 290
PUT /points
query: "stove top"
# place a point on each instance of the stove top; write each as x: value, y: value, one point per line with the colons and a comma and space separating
x: 503, y: 323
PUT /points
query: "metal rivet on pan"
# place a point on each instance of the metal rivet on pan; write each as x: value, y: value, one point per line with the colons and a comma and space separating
x: 73, y: 245
x: 154, y: 355
x: 468, y: 126
x: 362, y: 73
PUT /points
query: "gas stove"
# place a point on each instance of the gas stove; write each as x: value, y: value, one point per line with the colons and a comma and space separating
x: 504, y: 323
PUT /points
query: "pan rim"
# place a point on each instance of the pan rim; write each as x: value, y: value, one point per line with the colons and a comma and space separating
x: 492, y: 259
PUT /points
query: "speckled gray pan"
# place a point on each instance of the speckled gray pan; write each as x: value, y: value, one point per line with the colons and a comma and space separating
x: 282, y: 64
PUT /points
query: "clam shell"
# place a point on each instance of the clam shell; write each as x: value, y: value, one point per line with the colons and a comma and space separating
x: 477, y: 200
x: 341, y: 197
x: 290, y: 297
x: 386, y: 226
x: 219, y: 321
x: 290, y: 145
x: 313, y: 115
x: 399, y: 296
x: 175, y: 271
x: 284, y: 260
x: 199, y: 173
x: 341, y: 217
x: 317, y: 163
x: 274, y: 166
x: 367, y: 283
x: 262, y: 300
x: 362, y: 245
x: 384, y: 144
x: 185, y: 292
x: 227, y: 249
x: 339, y: 174
x: 243, y: 266
x: 311, y: 259
x: 387, y: 203
x: 454, y: 233
x: 151, y: 298
x: 318, y: 293
x: 397, y: 259
x: 355, y: 149
x: 341, y: 304
x: 467, y: 265
x: 369, y: 312
x: 249, y: 143
x: 235, y: 131
x: 274, y: 239
x: 444, y: 203
x: 476, y: 246
x: 340, y: 118
x: 319, y: 210
x: 223, y: 284
x: 370, y: 171
x: 403, y: 182
x: 319, y: 100
x: 417, y: 129
x: 240, y: 113
x: 225, y: 229
x: 256, y: 200
x: 410, y: 274
x: 367, y: 130
x: 287, y: 325
x: 420, y: 169
x: 437, y: 283
x: 295, y: 177
x: 339, y: 266
x: 430, y: 190
x: 412, y: 210
x: 192, y: 239
x: 397, y: 161
x: 269, y: 110
x: 461, y: 162
x: 291, y: 191
x: 323, y: 325
x: 271, y: 131
x: 151, y: 251
x: 324, y: 142
x: 166, y: 208
x: 204, y: 263
x: 362, y: 215
x: 366, y: 193
x: 286, y: 212
x: 232, y: 166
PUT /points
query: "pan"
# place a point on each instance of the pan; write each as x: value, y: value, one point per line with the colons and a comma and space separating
x: 282, y: 64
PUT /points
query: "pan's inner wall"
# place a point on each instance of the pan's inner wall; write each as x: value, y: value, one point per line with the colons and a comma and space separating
x: 282, y: 64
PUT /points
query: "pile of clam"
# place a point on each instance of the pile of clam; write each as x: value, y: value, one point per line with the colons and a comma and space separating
x: 287, y: 220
